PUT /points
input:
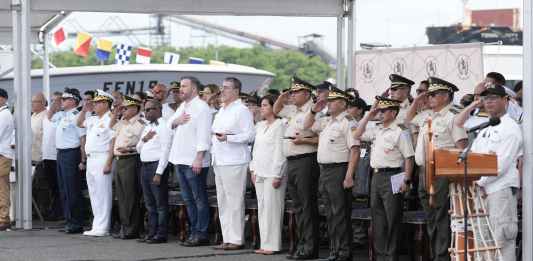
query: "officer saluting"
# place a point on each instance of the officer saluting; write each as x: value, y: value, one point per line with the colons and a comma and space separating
x: 391, y: 148
x: 300, y: 147
x: 97, y: 147
x: 445, y: 135
x: 68, y: 142
x: 337, y: 157
x: 127, y: 134
x: 399, y: 90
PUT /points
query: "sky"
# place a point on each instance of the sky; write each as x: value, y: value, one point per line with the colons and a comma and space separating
x: 398, y: 23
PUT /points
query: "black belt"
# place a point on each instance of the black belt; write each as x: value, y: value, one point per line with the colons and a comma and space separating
x: 119, y: 157
x: 382, y: 170
x: 332, y: 165
x: 149, y: 162
x: 65, y: 150
x: 301, y: 156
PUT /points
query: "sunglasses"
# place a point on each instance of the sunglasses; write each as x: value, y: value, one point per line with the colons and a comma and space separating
x: 149, y: 109
x: 433, y: 94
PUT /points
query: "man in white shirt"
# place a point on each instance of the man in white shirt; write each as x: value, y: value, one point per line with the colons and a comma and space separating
x: 505, y: 140
x: 7, y: 154
x: 233, y: 129
x: 68, y: 143
x: 191, y: 125
x: 154, y: 147
x: 38, y: 113
x: 97, y: 147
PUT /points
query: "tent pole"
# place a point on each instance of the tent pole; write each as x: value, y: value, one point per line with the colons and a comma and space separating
x: 25, y: 123
x: 340, y: 53
x: 527, y: 178
x: 46, y: 67
x: 350, y: 72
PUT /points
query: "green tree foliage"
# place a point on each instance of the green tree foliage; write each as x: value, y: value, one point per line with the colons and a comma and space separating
x: 283, y: 63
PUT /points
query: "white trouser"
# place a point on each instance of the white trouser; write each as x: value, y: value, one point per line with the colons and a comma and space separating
x: 100, y: 191
x: 270, y: 205
x: 231, y: 187
x: 504, y: 220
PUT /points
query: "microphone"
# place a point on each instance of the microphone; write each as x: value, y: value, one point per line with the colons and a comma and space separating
x: 491, y: 122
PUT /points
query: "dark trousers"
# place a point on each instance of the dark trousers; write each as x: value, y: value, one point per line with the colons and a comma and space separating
x: 48, y: 170
x: 128, y: 193
x: 194, y: 193
x: 155, y: 200
x: 302, y: 184
x: 69, y: 181
x: 386, y: 209
x: 338, y: 207
x: 438, y: 218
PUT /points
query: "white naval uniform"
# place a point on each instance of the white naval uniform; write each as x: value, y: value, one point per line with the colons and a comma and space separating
x: 97, y: 146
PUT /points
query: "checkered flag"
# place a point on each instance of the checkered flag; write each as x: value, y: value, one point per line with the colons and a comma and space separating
x: 123, y: 54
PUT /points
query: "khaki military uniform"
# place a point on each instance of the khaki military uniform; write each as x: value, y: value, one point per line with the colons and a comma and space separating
x: 126, y: 174
x: 334, y: 145
x: 445, y: 135
x: 302, y: 172
x: 390, y: 147
x: 402, y: 113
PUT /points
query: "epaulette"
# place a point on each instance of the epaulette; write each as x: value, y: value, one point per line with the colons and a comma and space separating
x: 455, y: 109
x: 349, y: 117
x: 482, y: 114
x: 402, y: 126
x: 75, y: 112
x: 141, y: 122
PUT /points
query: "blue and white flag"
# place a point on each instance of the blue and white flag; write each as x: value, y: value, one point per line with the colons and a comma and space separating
x: 123, y: 54
x: 171, y: 58
x: 194, y: 60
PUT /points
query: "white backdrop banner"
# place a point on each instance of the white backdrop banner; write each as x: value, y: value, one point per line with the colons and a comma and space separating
x: 460, y: 64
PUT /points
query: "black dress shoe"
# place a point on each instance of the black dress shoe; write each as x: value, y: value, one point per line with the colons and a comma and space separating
x: 130, y: 236
x: 301, y: 257
x: 196, y: 242
x: 156, y: 240
x: 74, y: 231
x: 144, y: 239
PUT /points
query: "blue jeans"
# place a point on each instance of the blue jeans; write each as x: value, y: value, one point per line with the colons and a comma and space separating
x: 69, y: 181
x: 155, y: 200
x: 194, y: 193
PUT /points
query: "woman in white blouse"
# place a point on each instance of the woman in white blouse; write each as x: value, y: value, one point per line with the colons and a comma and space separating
x: 270, y: 184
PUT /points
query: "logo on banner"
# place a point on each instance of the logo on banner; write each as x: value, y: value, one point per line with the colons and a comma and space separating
x: 463, y: 66
x: 398, y: 66
x: 431, y: 66
x: 368, y: 71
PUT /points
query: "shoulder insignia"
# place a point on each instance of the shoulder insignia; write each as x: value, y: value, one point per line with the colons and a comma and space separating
x: 141, y: 122
x: 482, y: 114
x: 455, y: 109
x: 75, y: 112
x: 402, y: 126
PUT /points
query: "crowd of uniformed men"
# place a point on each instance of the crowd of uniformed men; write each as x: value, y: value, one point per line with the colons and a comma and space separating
x: 309, y: 140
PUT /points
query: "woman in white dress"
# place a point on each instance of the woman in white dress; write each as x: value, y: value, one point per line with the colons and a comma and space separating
x: 270, y: 184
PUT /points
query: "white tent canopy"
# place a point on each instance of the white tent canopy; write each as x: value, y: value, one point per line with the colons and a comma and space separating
x: 193, y: 7
x: 37, y: 21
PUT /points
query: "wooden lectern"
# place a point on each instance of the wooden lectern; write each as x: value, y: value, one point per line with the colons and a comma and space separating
x: 444, y: 163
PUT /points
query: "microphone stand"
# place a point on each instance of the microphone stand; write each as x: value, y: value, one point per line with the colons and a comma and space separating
x: 463, y: 158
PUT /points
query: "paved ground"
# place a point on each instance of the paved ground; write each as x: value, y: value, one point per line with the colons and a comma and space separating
x: 49, y: 244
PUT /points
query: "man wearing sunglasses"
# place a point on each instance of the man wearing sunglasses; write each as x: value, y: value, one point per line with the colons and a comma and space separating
x: 445, y: 135
x: 504, y: 139
x: 400, y: 90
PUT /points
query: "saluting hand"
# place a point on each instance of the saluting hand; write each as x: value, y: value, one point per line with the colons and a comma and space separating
x: 320, y: 105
